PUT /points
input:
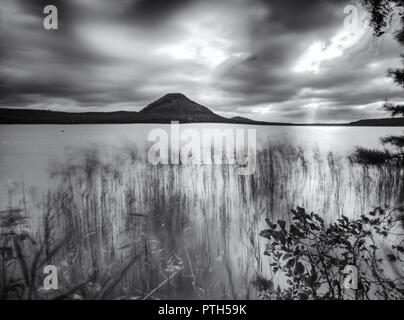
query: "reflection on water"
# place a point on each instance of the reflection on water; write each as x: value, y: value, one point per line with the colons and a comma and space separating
x: 194, y: 230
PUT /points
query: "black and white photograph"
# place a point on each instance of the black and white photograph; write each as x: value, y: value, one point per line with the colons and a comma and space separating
x: 201, y: 150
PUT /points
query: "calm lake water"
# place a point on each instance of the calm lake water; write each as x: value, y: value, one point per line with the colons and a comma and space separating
x: 27, y: 149
x: 200, y: 221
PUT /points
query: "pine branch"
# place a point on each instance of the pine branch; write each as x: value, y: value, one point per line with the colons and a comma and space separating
x: 396, y: 141
x: 395, y: 110
x: 398, y: 75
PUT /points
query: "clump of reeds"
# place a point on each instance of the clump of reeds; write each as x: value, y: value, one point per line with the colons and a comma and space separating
x: 126, y: 229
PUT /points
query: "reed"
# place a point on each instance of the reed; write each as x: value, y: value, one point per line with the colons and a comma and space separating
x: 118, y: 227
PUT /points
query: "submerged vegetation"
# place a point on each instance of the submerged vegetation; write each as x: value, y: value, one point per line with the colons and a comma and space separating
x: 119, y: 228
x: 25, y: 255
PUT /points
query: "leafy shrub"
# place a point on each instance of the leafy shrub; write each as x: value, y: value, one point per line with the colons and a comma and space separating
x: 309, y: 257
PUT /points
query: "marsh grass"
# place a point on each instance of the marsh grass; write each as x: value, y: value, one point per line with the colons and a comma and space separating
x: 125, y: 229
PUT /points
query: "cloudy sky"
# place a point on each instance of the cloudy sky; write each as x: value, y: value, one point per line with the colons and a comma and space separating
x: 275, y: 60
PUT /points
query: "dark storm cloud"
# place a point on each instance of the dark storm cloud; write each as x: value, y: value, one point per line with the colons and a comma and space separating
x: 151, y: 12
x: 235, y: 56
x: 40, y: 65
x: 343, y: 83
x: 278, y: 40
x: 303, y: 16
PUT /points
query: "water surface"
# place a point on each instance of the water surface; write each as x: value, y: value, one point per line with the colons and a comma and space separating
x: 202, y: 222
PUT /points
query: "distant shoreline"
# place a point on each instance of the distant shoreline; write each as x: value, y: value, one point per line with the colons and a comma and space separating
x: 171, y: 107
x: 44, y: 117
x: 246, y: 124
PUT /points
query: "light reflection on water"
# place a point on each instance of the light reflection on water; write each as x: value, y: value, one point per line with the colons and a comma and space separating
x: 203, y: 221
